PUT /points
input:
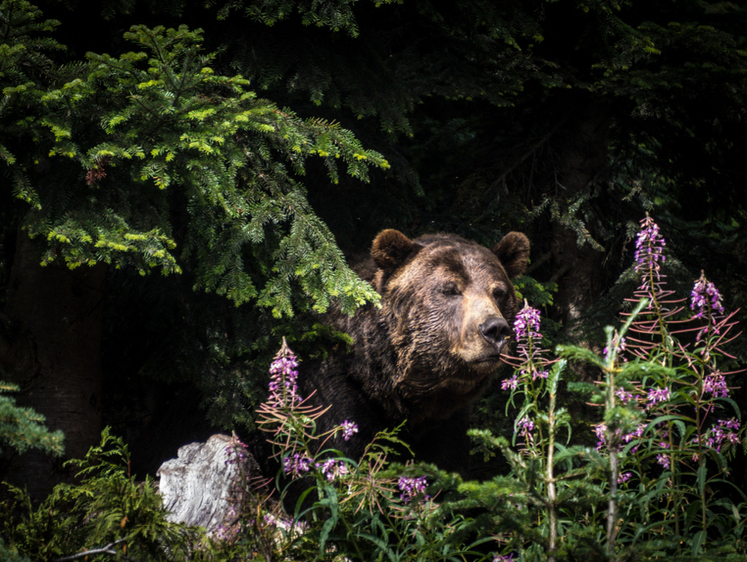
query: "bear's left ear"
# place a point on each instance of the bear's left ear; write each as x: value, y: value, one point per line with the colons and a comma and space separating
x: 391, y: 248
x: 513, y: 251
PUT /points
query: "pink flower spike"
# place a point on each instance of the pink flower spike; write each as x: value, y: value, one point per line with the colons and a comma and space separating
x: 527, y: 323
x: 705, y: 298
x: 716, y: 385
x: 649, y: 246
x: 411, y: 487
x: 296, y: 465
x: 283, y: 374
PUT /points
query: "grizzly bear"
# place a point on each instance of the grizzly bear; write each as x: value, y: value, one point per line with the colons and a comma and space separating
x: 447, y: 307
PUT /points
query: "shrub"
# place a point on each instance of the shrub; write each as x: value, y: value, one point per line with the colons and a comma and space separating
x: 107, y: 514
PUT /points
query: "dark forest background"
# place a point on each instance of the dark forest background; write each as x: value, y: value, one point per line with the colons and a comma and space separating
x: 159, y: 239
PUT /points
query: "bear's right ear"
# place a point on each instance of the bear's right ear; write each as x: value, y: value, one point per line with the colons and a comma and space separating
x: 513, y: 251
x: 391, y: 248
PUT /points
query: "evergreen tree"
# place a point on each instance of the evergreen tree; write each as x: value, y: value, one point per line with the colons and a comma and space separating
x: 151, y: 160
x: 22, y: 428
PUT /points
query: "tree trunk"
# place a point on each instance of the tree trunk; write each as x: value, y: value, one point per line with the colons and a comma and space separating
x: 583, y: 156
x: 50, y: 347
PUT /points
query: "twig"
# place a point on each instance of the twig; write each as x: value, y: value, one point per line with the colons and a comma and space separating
x: 103, y: 550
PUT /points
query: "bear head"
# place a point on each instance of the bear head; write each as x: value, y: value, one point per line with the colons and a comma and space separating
x: 447, y: 306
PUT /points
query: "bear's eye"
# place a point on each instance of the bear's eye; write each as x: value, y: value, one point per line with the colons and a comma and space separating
x: 499, y: 294
x: 450, y: 289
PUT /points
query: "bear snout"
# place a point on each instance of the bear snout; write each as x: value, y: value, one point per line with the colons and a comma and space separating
x: 496, y: 331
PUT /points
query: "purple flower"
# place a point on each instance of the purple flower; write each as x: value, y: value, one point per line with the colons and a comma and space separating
x: 705, y: 298
x: 529, y: 350
x: 601, y: 433
x: 297, y: 464
x: 624, y: 395
x: 527, y: 323
x: 731, y: 423
x: 332, y: 468
x: 656, y: 395
x: 637, y: 434
x: 624, y: 477
x: 348, y: 429
x: 500, y: 558
x: 648, y: 250
x: 525, y: 426
x: 235, y: 451
x: 617, y: 345
x: 283, y: 374
x: 536, y: 374
x: 723, y: 431
x: 510, y: 384
x: 663, y: 460
x: 411, y: 487
x: 716, y: 385
x: 706, y: 302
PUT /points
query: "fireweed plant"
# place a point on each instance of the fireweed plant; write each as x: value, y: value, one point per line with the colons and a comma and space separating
x: 688, y: 422
x: 369, y: 509
x: 653, y: 485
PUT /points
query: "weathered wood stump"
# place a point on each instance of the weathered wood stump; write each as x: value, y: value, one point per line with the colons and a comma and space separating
x: 208, y: 483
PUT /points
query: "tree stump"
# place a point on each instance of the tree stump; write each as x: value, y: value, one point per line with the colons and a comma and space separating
x: 208, y: 483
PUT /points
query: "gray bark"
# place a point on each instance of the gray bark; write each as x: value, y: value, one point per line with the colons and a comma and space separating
x: 207, y: 484
x: 50, y: 347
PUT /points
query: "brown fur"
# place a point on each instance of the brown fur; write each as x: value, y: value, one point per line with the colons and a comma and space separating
x: 447, y: 305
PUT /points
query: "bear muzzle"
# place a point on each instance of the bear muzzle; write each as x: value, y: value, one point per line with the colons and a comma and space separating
x: 496, y: 332
x: 483, y: 336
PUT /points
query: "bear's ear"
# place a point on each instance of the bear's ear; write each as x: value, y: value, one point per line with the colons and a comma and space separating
x: 513, y: 251
x: 391, y: 248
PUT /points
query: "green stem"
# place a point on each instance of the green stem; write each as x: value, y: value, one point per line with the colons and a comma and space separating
x: 657, y: 308
x: 351, y: 533
x: 612, y: 508
x: 701, y: 435
x: 551, y: 492
x: 675, y: 479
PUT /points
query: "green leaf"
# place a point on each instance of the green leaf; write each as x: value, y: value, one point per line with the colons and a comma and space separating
x: 697, y: 542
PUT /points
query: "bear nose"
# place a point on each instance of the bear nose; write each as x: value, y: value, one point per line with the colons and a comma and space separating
x: 495, y: 331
